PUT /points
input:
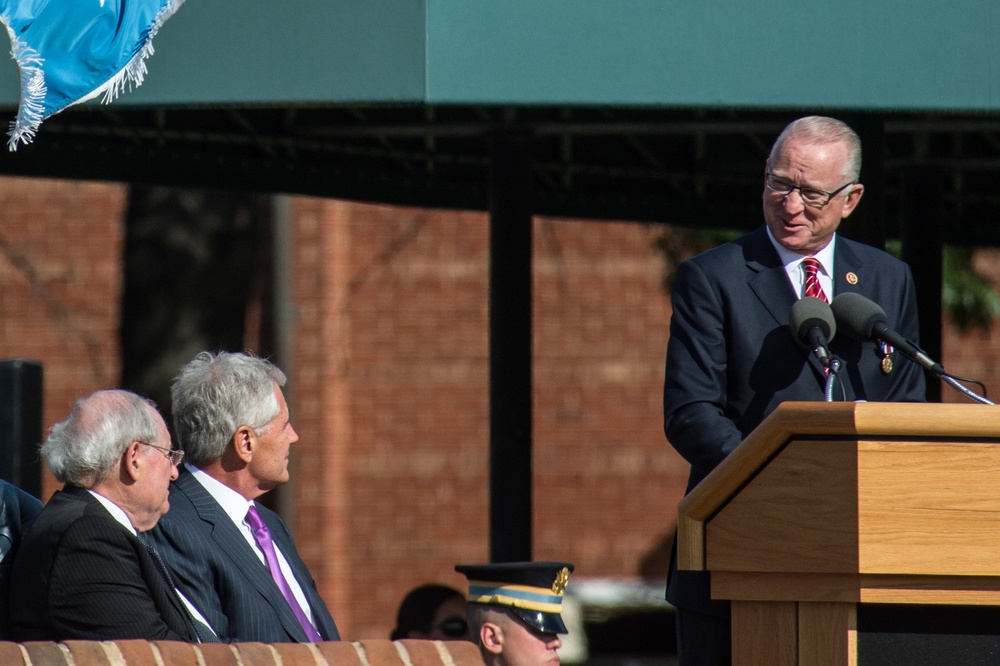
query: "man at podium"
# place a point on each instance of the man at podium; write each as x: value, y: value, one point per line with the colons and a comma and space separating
x: 732, y: 357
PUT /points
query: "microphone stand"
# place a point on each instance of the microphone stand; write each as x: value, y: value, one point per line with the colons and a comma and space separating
x: 918, y: 355
x: 969, y: 393
x: 834, y: 367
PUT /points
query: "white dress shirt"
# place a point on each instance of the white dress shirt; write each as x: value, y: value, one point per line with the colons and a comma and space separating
x: 796, y: 274
x: 119, y: 515
x: 236, y: 506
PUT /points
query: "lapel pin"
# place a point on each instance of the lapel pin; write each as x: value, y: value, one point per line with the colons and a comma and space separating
x: 852, y: 278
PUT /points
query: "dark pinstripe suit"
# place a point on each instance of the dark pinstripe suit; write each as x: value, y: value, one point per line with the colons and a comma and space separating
x: 80, y: 574
x: 219, y: 572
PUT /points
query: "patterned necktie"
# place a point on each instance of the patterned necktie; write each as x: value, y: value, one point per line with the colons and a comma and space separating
x: 263, y: 537
x: 811, y: 267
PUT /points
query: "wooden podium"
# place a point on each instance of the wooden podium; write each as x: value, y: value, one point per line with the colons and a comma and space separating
x: 826, y: 505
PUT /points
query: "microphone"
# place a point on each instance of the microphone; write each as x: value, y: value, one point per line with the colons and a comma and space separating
x: 864, y: 319
x: 813, y: 324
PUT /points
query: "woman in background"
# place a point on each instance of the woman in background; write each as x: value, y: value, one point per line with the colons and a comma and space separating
x: 435, y: 612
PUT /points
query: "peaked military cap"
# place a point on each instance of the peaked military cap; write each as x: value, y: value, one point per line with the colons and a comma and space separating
x: 532, y: 590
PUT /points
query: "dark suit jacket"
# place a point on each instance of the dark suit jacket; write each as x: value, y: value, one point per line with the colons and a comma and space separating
x: 732, y: 357
x: 219, y: 572
x: 79, y: 574
x: 17, y: 510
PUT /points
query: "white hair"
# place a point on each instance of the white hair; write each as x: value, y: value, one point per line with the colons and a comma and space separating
x: 820, y: 129
x: 84, y: 449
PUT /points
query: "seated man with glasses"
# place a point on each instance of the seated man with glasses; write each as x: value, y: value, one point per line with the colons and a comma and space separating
x: 731, y: 355
x: 83, y: 571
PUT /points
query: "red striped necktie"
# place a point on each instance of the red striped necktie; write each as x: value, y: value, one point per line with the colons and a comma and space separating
x: 811, y: 267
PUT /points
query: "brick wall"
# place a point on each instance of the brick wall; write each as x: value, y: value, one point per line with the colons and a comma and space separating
x: 60, y: 279
x: 388, y: 381
x: 606, y: 482
x: 391, y: 400
x: 171, y: 653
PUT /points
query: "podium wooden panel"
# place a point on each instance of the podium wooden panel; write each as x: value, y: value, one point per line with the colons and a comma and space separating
x: 826, y: 505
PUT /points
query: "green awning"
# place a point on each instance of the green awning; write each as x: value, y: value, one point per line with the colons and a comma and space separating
x: 887, y: 55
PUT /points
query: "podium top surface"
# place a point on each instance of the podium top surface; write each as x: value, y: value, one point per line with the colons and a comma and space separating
x: 907, y: 420
x: 853, y: 488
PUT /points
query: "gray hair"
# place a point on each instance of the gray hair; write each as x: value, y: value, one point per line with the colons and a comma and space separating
x: 214, y: 394
x: 820, y: 129
x: 84, y: 449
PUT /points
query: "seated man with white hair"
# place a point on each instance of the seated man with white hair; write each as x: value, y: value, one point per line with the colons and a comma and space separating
x: 83, y: 571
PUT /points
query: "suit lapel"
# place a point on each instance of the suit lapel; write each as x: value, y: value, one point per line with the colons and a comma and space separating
x: 230, y: 541
x: 145, y: 551
x: 766, y: 276
x: 160, y: 587
x: 321, y: 616
x: 768, y: 279
x: 849, y: 272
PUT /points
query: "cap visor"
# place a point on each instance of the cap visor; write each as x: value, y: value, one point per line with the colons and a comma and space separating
x: 550, y: 623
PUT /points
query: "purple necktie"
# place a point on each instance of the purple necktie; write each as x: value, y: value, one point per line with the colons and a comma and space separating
x: 263, y: 537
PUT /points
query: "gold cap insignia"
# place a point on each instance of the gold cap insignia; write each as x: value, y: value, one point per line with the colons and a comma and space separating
x: 559, y: 586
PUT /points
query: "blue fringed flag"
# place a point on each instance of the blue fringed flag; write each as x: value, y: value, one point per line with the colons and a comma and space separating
x: 69, y: 51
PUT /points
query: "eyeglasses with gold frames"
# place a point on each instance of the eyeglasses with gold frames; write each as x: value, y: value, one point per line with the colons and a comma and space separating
x: 175, y: 456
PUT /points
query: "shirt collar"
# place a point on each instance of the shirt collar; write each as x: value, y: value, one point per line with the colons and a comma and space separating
x: 234, y: 504
x: 116, y: 511
x: 790, y: 259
